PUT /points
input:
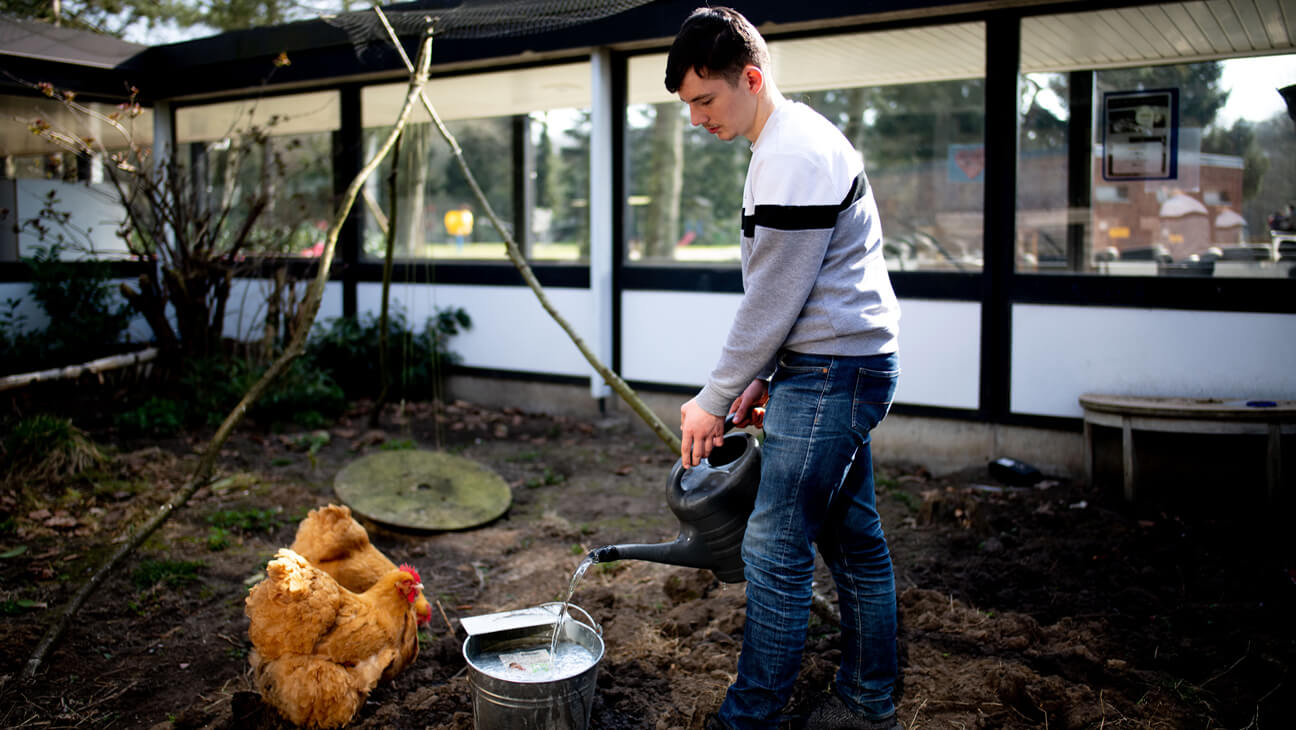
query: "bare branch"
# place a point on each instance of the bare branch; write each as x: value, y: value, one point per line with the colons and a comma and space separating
x: 519, y: 261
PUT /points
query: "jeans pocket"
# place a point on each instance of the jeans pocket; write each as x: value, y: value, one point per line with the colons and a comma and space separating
x: 874, y: 391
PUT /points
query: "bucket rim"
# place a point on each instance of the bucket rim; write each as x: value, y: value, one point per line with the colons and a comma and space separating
x: 478, y: 674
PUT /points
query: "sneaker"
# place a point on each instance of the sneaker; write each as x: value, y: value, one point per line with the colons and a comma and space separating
x: 833, y: 714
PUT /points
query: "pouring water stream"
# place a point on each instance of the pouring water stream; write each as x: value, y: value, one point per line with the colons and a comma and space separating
x: 571, y: 589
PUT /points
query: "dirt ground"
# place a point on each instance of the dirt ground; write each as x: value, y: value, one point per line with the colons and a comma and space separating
x: 1052, y: 606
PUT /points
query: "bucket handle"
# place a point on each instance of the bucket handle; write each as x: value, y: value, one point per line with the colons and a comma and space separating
x: 589, y: 620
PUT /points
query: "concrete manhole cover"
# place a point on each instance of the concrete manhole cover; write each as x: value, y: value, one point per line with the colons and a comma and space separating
x: 422, y: 490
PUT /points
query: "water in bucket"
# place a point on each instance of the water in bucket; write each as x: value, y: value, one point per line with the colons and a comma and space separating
x: 516, y: 682
x: 537, y: 665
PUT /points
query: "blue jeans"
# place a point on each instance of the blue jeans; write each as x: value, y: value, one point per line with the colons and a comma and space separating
x: 816, y: 488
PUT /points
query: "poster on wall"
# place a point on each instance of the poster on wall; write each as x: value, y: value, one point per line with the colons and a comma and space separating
x: 966, y: 163
x: 1141, y: 135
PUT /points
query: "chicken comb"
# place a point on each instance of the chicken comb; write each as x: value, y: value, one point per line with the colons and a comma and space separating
x: 412, y: 571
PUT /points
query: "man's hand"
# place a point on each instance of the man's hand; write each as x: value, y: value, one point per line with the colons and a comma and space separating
x: 699, y: 433
x: 749, y: 409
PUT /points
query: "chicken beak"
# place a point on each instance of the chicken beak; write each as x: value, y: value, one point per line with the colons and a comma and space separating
x: 418, y: 586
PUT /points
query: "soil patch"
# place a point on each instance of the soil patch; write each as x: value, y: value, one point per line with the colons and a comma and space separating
x: 1050, y: 606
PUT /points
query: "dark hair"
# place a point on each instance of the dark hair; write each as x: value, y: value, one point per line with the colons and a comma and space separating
x: 711, y: 41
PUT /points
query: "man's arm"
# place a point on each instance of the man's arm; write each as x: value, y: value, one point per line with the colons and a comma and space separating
x: 795, y: 205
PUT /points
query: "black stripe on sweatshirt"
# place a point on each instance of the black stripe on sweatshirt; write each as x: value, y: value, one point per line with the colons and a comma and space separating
x: 803, y: 217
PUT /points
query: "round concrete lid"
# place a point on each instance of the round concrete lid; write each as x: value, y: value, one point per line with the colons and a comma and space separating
x: 422, y: 490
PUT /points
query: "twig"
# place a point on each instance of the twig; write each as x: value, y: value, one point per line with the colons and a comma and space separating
x: 306, y: 314
x: 55, y: 631
x: 1231, y: 667
x: 445, y: 618
x: 515, y: 256
x: 115, y: 693
x: 913, y: 722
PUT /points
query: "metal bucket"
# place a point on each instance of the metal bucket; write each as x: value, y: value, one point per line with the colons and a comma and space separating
x: 560, y: 703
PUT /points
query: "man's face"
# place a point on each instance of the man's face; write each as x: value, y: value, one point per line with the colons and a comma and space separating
x: 727, y: 111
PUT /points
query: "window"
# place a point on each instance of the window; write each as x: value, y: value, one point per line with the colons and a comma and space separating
x: 1135, y: 161
x: 282, y: 141
x: 29, y: 156
x: 40, y: 177
x: 911, y: 101
x: 525, y: 138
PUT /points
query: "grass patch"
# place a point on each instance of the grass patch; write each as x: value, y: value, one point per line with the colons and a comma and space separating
x: 155, y: 417
x: 908, y: 500
x: 218, y: 539
x: 170, y: 573
x: 547, y: 479
x: 16, y: 606
x: 246, y: 520
x: 48, y: 447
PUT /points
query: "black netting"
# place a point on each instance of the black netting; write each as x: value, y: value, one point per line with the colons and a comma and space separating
x: 476, y: 19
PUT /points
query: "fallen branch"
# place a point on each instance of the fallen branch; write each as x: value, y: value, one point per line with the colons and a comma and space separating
x: 57, y: 629
x: 94, y: 367
x: 515, y: 256
x: 306, y: 314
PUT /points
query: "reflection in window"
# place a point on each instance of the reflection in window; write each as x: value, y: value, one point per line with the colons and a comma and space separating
x: 1214, y: 210
x: 284, y: 143
x: 685, y: 193
x: 524, y: 134
x: 911, y: 101
x: 925, y: 158
x: 558, y: 184
x: 32, y: 156
x: 436, y: 213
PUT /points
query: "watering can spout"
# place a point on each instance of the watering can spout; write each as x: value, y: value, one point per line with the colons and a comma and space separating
x: 686, y: 550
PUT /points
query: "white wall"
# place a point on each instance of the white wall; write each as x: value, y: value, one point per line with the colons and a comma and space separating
x: 246, y: 309
x: 94, y: 224
x: 673, y: 337
x: 1061, y: 352
x: 940, y: 353
x: 676, y: 338
x: 27, y: 305
x: 510, y: 330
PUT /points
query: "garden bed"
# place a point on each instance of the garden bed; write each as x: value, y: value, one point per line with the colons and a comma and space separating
x: 1049, y: 606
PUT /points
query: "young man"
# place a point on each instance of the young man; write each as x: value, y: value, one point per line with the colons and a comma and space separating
x: 815, y: 339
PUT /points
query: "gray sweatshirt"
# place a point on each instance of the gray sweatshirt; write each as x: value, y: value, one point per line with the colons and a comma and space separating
x: 813, y: 276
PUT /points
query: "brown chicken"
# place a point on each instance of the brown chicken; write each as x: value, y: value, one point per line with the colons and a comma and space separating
x: 318, y: 648
x: 333, y: 541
